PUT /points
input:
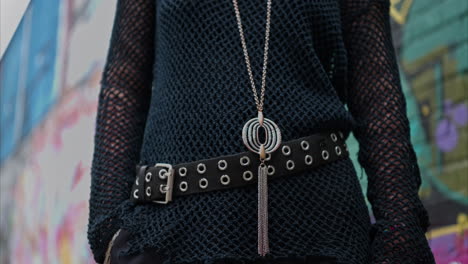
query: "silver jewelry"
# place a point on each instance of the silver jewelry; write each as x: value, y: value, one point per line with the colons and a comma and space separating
x: 250, y: 134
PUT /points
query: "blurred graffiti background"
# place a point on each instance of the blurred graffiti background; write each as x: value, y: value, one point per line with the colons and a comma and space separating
x: 49, y: 77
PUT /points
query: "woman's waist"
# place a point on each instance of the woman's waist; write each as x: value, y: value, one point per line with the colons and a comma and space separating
x: 233, y: 212
x: 236, y: 170
x: 305, y: 191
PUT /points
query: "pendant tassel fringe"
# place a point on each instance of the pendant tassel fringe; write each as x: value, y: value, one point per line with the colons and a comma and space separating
x: 263, y: 245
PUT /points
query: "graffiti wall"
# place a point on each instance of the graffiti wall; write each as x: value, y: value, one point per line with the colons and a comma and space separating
x: 49, y: 80
x: 46, y: 168
x: 432, y: 41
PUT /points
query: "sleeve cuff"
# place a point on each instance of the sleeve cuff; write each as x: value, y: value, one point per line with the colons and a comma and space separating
x: 399, y: 242
x: 101, y: 229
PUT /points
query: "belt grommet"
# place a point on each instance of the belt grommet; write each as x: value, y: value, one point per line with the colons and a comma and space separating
x: 148, y: 191
x: 135, y: 194
x: 308, y: 159
x: 290, y: 164
x: 270, y: 170
x: 286, y: 150
x: 182, y: 171
x: 201, y: 168
x: 222, y: 164
x: 338, y: 150
x: 304, y: 145
x: 148, y: 177
x: 244, y: 161
x: 247, y: 175
x: 333, y: 137
x: 341, y: 134
x: 268, y: 156
x: 203, y: 183
x: 162, y: 174
x: 136, y: 181
x: 225, y: 179
x: 325, y: 154
x: 183, y: 186
x: 163, y: 188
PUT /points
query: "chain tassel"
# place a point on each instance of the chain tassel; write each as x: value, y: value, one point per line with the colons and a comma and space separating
x: 263, y: 246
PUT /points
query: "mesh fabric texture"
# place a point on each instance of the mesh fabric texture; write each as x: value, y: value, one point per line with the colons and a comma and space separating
x: 175, y: 89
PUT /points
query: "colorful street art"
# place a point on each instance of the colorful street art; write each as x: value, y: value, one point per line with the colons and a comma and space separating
x: 434, y: 59
x: 49, y: 98
x: 45, y: 209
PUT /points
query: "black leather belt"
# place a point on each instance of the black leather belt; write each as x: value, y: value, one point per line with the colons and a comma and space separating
x: 163, y: 181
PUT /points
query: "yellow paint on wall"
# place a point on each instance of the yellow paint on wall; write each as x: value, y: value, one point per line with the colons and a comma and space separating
x: 460, y: 228
x: 400, y: 14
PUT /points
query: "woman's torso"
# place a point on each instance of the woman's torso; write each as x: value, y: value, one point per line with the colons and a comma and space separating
x: 201, y: 99
x: 202, y: 95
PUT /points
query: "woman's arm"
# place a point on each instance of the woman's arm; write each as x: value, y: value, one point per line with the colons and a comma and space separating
x: 122, y: 109
x: 377, y: 103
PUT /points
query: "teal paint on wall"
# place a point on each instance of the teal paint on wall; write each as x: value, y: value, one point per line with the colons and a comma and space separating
x: 461, y: 55
x: 441, y: 24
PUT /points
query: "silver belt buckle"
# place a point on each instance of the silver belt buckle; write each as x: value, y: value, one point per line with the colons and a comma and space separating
x: 168, y: 187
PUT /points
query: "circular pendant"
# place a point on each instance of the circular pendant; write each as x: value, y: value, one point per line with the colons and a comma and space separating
x: 252, y: 140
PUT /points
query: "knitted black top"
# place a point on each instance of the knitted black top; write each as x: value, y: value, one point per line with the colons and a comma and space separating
x: 176, y: 89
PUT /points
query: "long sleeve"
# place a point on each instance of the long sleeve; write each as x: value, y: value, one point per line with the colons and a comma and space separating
x: 378, y: 106
x: 120, y: 121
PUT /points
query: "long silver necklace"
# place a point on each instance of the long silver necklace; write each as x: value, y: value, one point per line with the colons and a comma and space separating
x: 251, y: 138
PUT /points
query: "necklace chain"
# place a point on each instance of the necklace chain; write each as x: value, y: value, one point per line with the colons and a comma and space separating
x: 246, y: 55
x: 251, y: 140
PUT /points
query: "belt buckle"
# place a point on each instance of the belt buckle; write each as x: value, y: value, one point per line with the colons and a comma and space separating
x: 168, y: 187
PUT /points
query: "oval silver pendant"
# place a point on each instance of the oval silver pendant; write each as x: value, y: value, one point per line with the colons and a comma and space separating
x: 251, y: 138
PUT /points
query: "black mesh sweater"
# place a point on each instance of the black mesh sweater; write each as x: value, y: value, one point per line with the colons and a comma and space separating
x: 175, y: 88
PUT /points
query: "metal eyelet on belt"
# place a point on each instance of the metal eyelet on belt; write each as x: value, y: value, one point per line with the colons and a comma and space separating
x: 225, y: 179
x: 341, y: 134
x: 183, y: 186
x: 270, y: 170
x: 304, y: 145
x: 162, y: 174
x: 203, y: 183
x: 325, y: 155
x: 268, y: 156
x: 247, y: 175
x: 182, y: 171
x: 308, y: 159
x: 201, y: 168
x: 135, y: 194
x: 222, y: 164
x: 290, y: 164
x: 148, y: 191
x: 148, y: 177
x: 333, y: 137
x: 163, y: 188
x: 338, y: 150
x: 136, y: 182
x: 244, y: 161
x: 286, y: 150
